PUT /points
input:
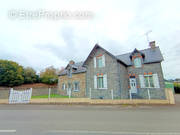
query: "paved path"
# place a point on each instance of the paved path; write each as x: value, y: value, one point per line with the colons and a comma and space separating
x: 88, y: 120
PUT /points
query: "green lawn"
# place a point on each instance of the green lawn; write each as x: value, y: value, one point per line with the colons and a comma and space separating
x: 52, y: 96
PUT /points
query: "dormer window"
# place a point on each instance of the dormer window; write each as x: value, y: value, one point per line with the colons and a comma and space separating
x: 137, y: 58
x: 137, y: 62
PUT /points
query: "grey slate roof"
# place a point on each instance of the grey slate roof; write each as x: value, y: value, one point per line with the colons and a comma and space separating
x: 78, y: 66
x: 151, y: 56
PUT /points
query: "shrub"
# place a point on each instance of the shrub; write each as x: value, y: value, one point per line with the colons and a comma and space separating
x: 177, y: 87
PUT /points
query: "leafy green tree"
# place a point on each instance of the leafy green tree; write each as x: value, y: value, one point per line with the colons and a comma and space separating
x: 37, y: 79
x: 11, y: 73
x: 49, y: 75
x: 29, y: 75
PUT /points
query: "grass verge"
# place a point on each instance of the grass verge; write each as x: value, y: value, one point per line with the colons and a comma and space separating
x: 52, y: 96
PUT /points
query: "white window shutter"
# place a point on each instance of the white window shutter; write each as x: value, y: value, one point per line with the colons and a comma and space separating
x: 105, y: 81
x: 103, y: 60
x: 94, y: 62
x: 95, y: 82
x: 156, y: 81
x: 141, y: 79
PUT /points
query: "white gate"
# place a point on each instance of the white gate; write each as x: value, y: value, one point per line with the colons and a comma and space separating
x: 20, y: 96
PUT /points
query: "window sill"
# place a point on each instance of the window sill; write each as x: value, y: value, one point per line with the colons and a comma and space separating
x: 100, y: 67
x: 137, y: 67
x: 76, y: 90
x: 102, y: 88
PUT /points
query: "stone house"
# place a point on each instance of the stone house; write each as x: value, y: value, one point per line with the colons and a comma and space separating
x: 137, y: 74
x: 72, y: 80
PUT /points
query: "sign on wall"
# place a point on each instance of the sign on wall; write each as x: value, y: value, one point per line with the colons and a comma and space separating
x: 20, y: 96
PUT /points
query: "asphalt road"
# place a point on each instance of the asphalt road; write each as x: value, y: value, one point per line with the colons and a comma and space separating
x: 89, y: 120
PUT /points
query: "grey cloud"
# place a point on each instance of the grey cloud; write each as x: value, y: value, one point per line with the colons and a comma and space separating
x: 78, y: 48
x: 112, y: 46
x: 73, y: 48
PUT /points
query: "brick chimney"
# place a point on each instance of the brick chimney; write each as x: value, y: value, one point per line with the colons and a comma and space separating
x: 152, y: 44
x: 71, y: 62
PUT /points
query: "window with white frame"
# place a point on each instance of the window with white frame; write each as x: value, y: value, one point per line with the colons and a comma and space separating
x: 149, y: 83
x: 137, y: 62
x: 100, y: 81
x: 76, y: 86
x: 63, y: 86
x: 100, y: 61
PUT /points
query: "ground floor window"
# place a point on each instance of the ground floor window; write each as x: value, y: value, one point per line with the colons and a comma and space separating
x: 100, y: 82
x: 149, y: 81
x: 76, y: 86
x: 69, y: 86
x: 63, y: 86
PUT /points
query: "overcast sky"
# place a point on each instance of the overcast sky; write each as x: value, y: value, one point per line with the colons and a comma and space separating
x: 117, y: 25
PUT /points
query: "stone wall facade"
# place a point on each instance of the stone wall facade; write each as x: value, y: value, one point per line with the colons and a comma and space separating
x: 106, y: 76
x: 80, y: 78
x: 118, y: 79
x: 123, y: 81
x: 154, y: 68
x: 113, y: 78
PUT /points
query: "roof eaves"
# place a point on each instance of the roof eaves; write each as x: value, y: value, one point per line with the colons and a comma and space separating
x: 78, y: 72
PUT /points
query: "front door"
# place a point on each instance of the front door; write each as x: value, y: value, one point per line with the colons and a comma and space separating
x: 133, y: 87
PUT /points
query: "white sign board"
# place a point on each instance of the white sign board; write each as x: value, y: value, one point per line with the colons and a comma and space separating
x: 20, y: 96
